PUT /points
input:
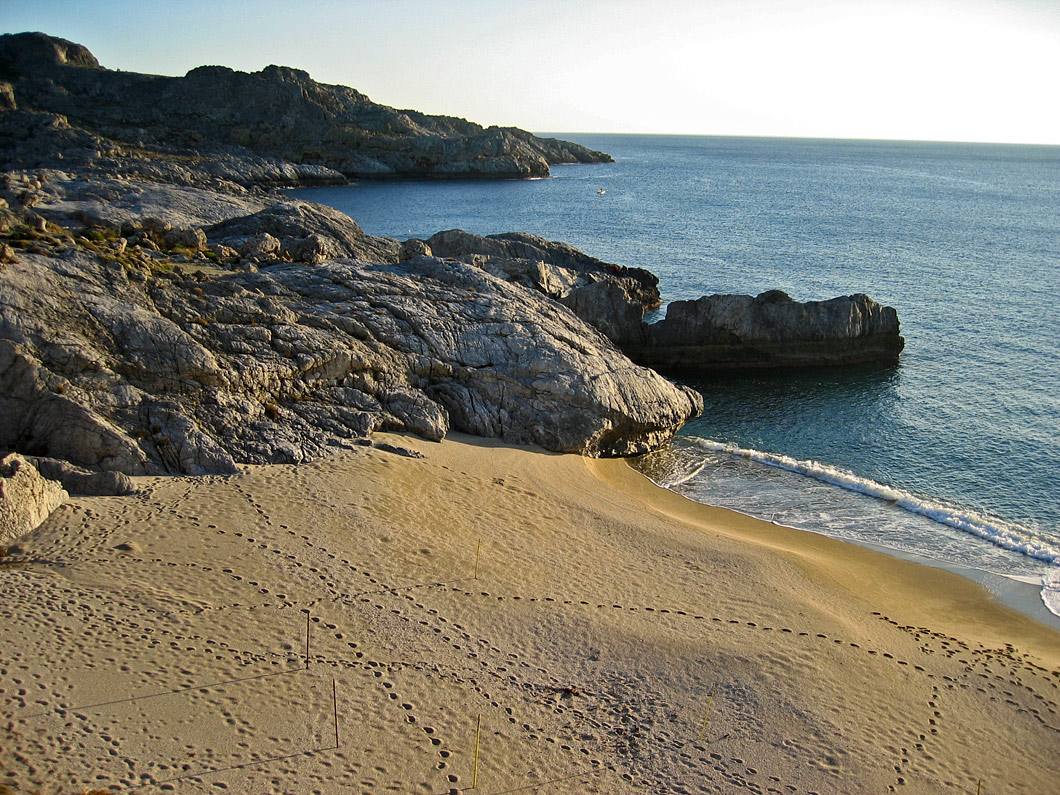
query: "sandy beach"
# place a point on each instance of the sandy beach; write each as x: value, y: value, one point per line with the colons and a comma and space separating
x: 500, y: 618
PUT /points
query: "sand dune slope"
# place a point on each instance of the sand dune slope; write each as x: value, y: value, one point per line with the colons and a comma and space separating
x: 616, y: 639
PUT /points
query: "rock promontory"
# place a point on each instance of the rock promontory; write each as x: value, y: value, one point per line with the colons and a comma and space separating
x: 276, y: 126
x: 716, y: 332
x: 232, y: 333
x: 164, y: 309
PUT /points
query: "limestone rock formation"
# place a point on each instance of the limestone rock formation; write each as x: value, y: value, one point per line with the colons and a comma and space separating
x: 611, y: 298
x: 88, y: 482
x: 163, y: 310
x: 770, y: 330
x: 713, y: 332
x: 276, y: 126
x: 553, y: 267
x: 123, y: 362
x: 26, y: 498
x: 306, y: 232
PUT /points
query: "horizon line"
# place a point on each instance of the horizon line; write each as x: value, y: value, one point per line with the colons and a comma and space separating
x: 759, y: 136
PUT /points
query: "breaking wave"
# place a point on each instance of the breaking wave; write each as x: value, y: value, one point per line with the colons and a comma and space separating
x: 999, y: 532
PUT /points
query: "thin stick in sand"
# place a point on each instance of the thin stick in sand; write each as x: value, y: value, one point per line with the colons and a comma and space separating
x: 307, y: 640
x: 478, y: 731
x: 335, y: 709
x: 478, y: 551
x: 706, y: 717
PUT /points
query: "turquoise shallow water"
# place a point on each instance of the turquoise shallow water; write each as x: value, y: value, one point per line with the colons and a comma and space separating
x: 952, y: 454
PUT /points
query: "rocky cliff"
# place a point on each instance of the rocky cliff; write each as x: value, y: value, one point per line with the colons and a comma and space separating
x: 135, y: 343
x: 274, y: 126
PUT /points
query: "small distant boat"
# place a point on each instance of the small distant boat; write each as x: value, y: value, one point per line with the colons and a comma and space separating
x: 601, y: 191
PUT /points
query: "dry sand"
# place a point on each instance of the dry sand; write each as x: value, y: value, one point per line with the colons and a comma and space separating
x: 617, y: 639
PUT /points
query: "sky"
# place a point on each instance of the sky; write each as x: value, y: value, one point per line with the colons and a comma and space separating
x: 949, y: 70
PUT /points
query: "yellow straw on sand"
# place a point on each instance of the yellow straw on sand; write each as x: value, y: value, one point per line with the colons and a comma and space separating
x: 706, y: 717
x: 478, y: 729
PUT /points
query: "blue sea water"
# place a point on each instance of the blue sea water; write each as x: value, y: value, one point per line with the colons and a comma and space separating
x: 953, y: 454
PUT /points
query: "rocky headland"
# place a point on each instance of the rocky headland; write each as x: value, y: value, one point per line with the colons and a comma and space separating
x: 277, y: 126
x: 131, y: 345
x: 163, y: 309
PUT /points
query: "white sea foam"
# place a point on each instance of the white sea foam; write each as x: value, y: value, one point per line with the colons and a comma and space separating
x: 679, y: 478
x: 1051, y: 592
x: 999, y: 532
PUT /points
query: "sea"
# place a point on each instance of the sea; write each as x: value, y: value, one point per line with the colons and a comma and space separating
x: 950, y: 457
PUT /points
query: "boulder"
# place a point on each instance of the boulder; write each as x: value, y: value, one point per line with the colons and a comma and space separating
x: 767, y: 331
x: 305, y: 232
x: 26, y: 498
x: 87, y: 482
x: 261, y: 246
x: 414, y: 248
x: 188, y: 237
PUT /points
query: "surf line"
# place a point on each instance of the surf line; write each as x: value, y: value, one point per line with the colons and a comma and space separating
x: 997, y: 531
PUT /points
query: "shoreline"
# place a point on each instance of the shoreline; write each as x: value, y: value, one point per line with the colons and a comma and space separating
x: 607, y: 636
x: 1022, y: 595
x: 959, y: 585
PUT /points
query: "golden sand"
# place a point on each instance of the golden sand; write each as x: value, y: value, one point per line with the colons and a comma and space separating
x: 617, y: 638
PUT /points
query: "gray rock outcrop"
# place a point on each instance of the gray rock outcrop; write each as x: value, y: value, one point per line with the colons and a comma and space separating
x: 608, y: 297
x: 711, y: 333
x: 276, y: 126
x: 26, y: 498
x: 304, y: 232
x: 767, y: 331
x: 163, y: 310
x: 550, y: 266
x: 112, y: 363
x: 87, y: 482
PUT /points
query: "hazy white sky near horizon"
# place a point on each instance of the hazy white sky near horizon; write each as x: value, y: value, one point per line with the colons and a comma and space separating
x: 954, y: 70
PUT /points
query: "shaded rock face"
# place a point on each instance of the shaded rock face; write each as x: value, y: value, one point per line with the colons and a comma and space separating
x: 116, y: 368
x: 770, y: 330
x: 29, y: 53
x: 214, y: 114
x: 26, y: 498
x: 88, y: 482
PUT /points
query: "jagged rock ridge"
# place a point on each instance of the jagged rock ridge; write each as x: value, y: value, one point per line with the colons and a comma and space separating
x: 277, y: 125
